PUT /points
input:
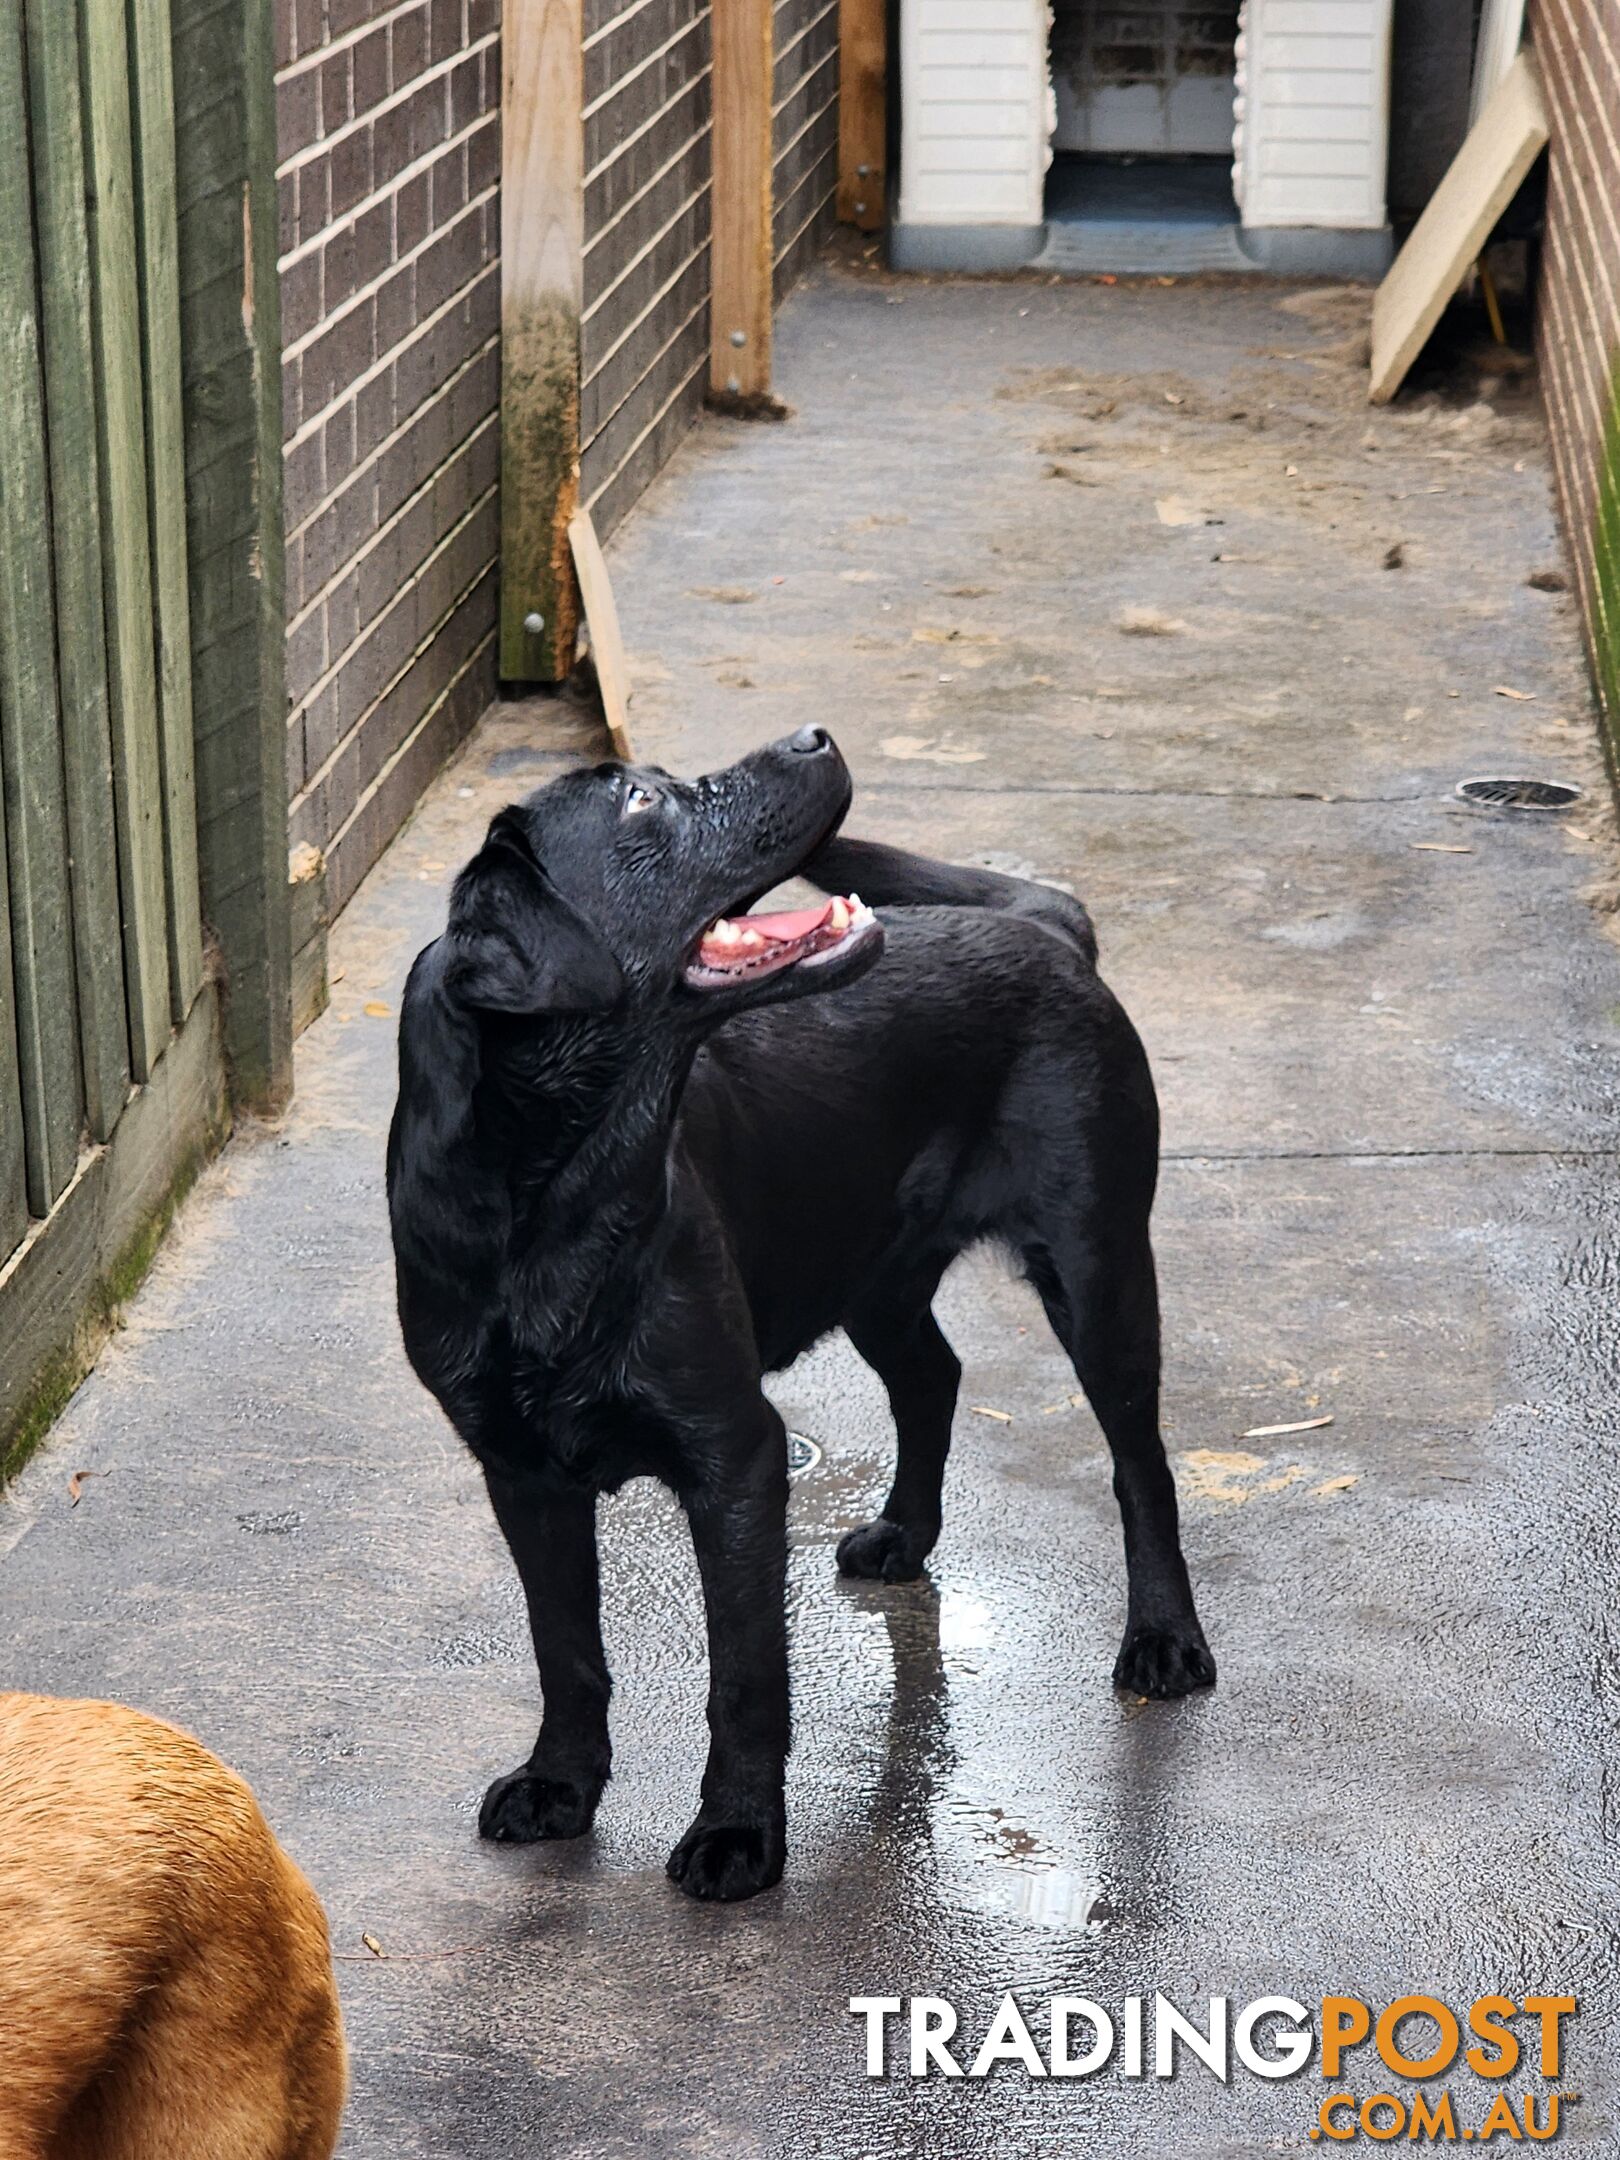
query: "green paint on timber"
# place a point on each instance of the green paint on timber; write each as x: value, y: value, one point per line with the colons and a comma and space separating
x: 230, y: 325
x: 1604, y: 625
x: 539, y: 489
x: 55, y: 1386
x: 64, y: 1292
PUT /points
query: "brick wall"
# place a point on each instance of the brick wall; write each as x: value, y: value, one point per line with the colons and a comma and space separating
x: 388, y: 160
x: 1578, y: 45
x: 644, y: 334
x: 804, y: 127
x: 389, y: 165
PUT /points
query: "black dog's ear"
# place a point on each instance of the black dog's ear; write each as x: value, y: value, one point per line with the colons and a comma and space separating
x: 516, y: 945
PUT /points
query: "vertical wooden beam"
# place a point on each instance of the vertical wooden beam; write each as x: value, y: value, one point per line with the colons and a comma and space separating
x: 542, y: 261
x: 230, y: 337
x: 13, y: 1185
x: 153, y: 84
x: 30, y: 733
x: 863, y: 113
x: 740, y: 249
x: 126, y: 563
x: 14, y: 1193
x: 81, y: 644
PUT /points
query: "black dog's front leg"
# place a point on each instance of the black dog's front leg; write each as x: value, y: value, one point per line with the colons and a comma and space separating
x: 738, y: 1844
x: 554, y: 1794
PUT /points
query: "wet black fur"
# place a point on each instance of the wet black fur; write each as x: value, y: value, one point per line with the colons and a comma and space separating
x: 617, y: 1201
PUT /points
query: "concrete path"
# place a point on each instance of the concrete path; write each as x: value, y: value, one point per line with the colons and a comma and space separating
x: 1124, y: 585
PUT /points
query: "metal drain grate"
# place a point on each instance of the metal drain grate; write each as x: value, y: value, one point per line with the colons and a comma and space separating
x: 1520, y: 794
x: 803, y: 1453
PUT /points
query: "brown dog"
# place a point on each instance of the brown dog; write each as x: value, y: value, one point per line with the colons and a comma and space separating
x: 166, y: 1988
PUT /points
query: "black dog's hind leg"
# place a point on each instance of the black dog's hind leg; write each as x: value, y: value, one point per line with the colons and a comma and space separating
x: 1102, y: 1299
x: 554, y: 1794
x: 904, y: 1347
x: 738, y: 1843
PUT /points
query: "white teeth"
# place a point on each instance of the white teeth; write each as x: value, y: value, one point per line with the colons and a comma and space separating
x: 839, y: 918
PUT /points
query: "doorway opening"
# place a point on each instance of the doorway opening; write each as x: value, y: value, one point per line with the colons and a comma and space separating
x: 1141, y: 172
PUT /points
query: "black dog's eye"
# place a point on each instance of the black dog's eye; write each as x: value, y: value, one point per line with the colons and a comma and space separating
x: 636, y: 798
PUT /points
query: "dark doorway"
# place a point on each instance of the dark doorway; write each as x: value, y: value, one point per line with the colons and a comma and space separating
x: 1142, y: 145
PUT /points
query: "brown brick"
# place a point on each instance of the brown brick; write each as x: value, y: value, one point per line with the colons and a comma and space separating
x: 310, y: 18
x: 314, y: 198
x: 412, y: 211
x: 484, y: 157
x: 371, y: 69
x: 351, y: 169
x: 337, y: 103
x: 391, y: 139
x: 300, y: 299
x: 444, y: 31
x: 410, y: 46
x: 304, y: 481
x: 449, y: 177
x: 298, y: 113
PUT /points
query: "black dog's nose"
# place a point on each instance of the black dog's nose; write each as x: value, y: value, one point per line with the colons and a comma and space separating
x: 810, y: 740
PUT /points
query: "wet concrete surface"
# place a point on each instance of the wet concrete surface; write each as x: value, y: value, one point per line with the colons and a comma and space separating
x: 1388, y: 1084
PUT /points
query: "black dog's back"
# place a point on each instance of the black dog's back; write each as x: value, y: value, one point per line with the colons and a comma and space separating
x: 858, y: 1144
x: 893, y: 877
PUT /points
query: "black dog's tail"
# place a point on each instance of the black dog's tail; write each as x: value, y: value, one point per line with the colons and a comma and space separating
x: 891, y: 877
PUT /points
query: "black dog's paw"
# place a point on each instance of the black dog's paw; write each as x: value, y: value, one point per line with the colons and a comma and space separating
x: 1164, y: 1661
x: 722, y: 1862
x: 881, y: 1551
x: 524, y: 1807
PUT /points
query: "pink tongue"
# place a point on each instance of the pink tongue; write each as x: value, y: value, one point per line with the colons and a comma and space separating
x: 794, y: 923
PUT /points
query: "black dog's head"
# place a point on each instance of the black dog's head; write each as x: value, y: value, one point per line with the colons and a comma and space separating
x: 620, y: 888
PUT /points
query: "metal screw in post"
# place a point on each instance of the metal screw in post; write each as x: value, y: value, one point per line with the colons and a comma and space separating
x: 862, y: 171
x: 733, y: 386
x: 739, y: 337
x: 860, y: 209
x: 534, y: 623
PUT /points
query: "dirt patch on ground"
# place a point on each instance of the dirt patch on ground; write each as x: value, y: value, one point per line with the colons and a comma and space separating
x: 1307, y: 397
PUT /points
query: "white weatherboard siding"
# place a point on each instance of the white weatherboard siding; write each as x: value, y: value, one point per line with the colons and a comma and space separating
x: 974, y: 112
x: 1312, y: 127
x: 1309, y: 135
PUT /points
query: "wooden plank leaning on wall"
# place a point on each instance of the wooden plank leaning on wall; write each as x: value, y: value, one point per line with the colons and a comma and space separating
x: 542, y: 259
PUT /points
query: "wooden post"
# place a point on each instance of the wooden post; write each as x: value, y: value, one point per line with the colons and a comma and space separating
x: 741, y: 253
x: 542, y: 261
x: 230, y: 342
x: 863, y: 113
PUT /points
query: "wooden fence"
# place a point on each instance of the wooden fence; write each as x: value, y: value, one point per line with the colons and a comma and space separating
x: 112, y: 1060
x: 102, y: 916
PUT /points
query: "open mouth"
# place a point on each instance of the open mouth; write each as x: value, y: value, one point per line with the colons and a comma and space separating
x: 743, y: 948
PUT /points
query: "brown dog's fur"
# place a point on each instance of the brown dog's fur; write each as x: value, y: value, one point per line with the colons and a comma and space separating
x: 166, y: 1987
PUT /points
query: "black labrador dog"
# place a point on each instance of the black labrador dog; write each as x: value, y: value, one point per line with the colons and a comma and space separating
x: 632, y: 1168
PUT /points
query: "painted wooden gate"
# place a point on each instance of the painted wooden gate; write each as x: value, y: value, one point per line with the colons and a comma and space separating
x: 100, y: 931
